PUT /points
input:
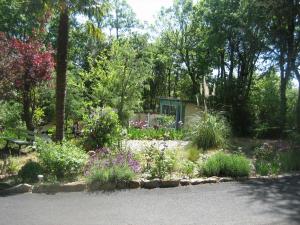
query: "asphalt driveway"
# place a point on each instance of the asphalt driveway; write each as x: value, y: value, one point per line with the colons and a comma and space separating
x: 244, y: 203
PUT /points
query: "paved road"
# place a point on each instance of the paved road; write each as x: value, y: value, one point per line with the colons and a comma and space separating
x: 248, y: 203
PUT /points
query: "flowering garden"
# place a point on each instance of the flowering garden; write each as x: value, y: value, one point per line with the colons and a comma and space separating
x: 101, y: 160
x: 74, y: 73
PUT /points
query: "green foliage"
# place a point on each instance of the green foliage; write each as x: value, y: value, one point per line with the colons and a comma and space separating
x: 155, y: 134
x: 10, y: 114
x: 166, y: 121
x: 290, y: 160
x: 102, y: 129
x: 276, y: 162
x: 262, y: 167
x: 265, y: 105
x: 38, y: 117
x: 265, y: 152
x: 187, y: 168
x: 63, y: 161
x: 9, y: 166
x: 29, y: 172
x: 265, y: 168
x: 159, y: 163
x: 230, y: 165
x: 209, y: 131
x: 116, y: 79
x: 113, y: 174
x: 193, y: 154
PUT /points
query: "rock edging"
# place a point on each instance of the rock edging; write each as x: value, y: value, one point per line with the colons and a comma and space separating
x: 147, y: 184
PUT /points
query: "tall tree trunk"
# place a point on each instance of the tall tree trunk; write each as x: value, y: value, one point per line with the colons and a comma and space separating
x: 169, y: 82
x: 27, y: 115
x: 61, y: 70
x: 282, y: 92
x: 298, y: 108
x: 298, y: 101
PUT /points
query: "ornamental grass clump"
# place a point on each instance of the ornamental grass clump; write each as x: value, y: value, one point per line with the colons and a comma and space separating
x: 226, y: 165
x: 209, y: 131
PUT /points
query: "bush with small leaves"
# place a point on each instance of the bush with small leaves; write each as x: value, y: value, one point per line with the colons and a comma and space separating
x: 30, y: 171
x: 103, y: 129
x: 61, y: 160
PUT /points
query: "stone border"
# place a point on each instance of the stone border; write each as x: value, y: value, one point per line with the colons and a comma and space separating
x: 81, y: 186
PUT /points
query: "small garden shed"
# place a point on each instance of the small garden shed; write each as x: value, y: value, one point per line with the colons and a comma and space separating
x: 183, y: 110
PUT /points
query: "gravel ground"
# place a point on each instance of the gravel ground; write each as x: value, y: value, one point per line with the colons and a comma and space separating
x: 140, y: 145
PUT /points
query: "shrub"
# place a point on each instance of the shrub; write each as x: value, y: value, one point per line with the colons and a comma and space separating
x: 209, y: 130
x: 262, y: 167
x: 103, y: 129
x: 222, y: 164
x: 108, y: 166
x: 188, y: 168
x: 30, y: 171
x: 159, y: 163
x: 112, y: 174
x: 290, y: 160
x: 9, y: 166
x: 193, y: 154
x: 265, y: 152
x: 63, y: 161
x: 105, y: 157
x: 268, y: 161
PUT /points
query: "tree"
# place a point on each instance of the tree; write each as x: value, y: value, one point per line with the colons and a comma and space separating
x: 91, y: 8
x: 29, y: 64
x: 17, y: 22
x: 232, y: 28
x: 121, y: 17
x: 282, y: 32
x: 117, y: 79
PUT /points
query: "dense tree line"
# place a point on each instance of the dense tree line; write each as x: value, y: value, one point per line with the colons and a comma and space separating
x: 246, y: 51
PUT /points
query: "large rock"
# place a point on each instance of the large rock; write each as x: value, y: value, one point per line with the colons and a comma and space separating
x: 96, y: 186
x: 150, y: 184
x: 74, y: 186
x: 197, y: 181
x: 209, y: 180
x: 225, y: 179
x: 19, y: 189
x: 122, y: 185
x: 46, y: 188
x: 134, y: 184
x: 169, y: 183
x: 107, y: 187
x: 185, y: 182
x: 54, y: 188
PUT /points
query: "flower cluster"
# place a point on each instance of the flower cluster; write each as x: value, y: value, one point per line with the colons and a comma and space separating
x: 140, y: 124
x: 105, y: 157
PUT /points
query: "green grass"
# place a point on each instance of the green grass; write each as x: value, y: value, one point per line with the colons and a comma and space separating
x: 222, y: 164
